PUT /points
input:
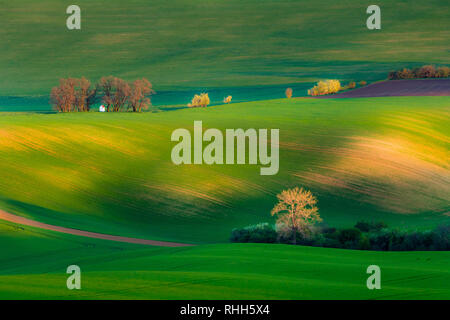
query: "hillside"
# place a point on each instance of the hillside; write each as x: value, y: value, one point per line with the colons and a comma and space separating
x: 33, y: 266
x: 374, y: 159
x: 183, y: 44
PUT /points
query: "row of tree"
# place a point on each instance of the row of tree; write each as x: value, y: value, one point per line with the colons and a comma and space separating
x: 298, y: 222
x: 116, y: 94
x: 427, y: 71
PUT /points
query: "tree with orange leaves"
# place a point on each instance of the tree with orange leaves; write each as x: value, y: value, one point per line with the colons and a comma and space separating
x: 288, y: 93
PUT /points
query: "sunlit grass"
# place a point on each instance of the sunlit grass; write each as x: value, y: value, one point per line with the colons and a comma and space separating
x: 376, y: 159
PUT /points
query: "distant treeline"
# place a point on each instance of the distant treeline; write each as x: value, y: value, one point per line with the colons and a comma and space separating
x: 116, y: 94
x: 363, y: 236
x: 427, y: 71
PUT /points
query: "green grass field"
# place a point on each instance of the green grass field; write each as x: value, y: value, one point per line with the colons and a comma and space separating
x: 34, y: 262
x: 219, y: 43
x: 379, y: 159
x: 375, y: 159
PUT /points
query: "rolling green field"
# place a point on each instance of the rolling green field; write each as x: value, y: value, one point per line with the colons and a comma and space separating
x: 34, y: 262
x: 372, y: 159
x: 215, y: 43
x: 365, y: 159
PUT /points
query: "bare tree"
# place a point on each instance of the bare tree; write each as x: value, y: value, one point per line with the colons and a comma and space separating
x: 296, y: 211
x: 84, y: 94
x: 115, y: 92
x: 121, y: 95
x: 63, y: 96
x: 140, y: 95
x: 106, y: 86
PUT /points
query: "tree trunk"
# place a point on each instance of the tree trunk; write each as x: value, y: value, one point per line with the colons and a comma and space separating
x: 294, y: 241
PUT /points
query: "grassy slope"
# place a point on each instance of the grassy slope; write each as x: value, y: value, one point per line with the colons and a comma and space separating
x: 33, y: 264
x: 206, y: 43
x: 380, y: 159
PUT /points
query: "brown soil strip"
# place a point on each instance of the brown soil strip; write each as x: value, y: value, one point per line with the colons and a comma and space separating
x: 397, y: 88
x: 28, y: 222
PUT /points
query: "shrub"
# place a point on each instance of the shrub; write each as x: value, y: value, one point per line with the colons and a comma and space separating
x: 375, y: 237
x: 443, y: 72
x: 227, y: 99
x: 362, y: 83
x: 258, y: 233
x: 350, y: 237
x: 415, y: 72
x: 352, y: 85
x: 395, y: 240
x: 239, y: 235
x: 325, y: 87
x: 393, y: 75
x: 427, y: 72
x: 327, y: 241
x: 380, y: 240
x: 405, y: 74
x: 441, y: 237
x: 288, y: 93
x: 418, y: 240
x: 262, y: 233
x: 364, y: 243
x: 201, y: 100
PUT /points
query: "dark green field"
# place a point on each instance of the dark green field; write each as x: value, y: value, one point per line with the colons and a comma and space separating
x: 34, y: 262
x: 219, y: 43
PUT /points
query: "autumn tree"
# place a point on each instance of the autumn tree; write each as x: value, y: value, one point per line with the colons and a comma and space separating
x: 296, y: 211
x: 201, y: 100
x: 325, y: 87
x: 426, y: 72
x: 405, y: 74
x: 227, y: 99
x: 140, y: 95
x: 288, y: 93
x: 443, y: 72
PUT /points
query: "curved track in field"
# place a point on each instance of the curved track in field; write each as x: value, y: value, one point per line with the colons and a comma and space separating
x: 32, y: 223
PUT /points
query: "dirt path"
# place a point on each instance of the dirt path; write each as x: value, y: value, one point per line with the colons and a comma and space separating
x: 21, y: 220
